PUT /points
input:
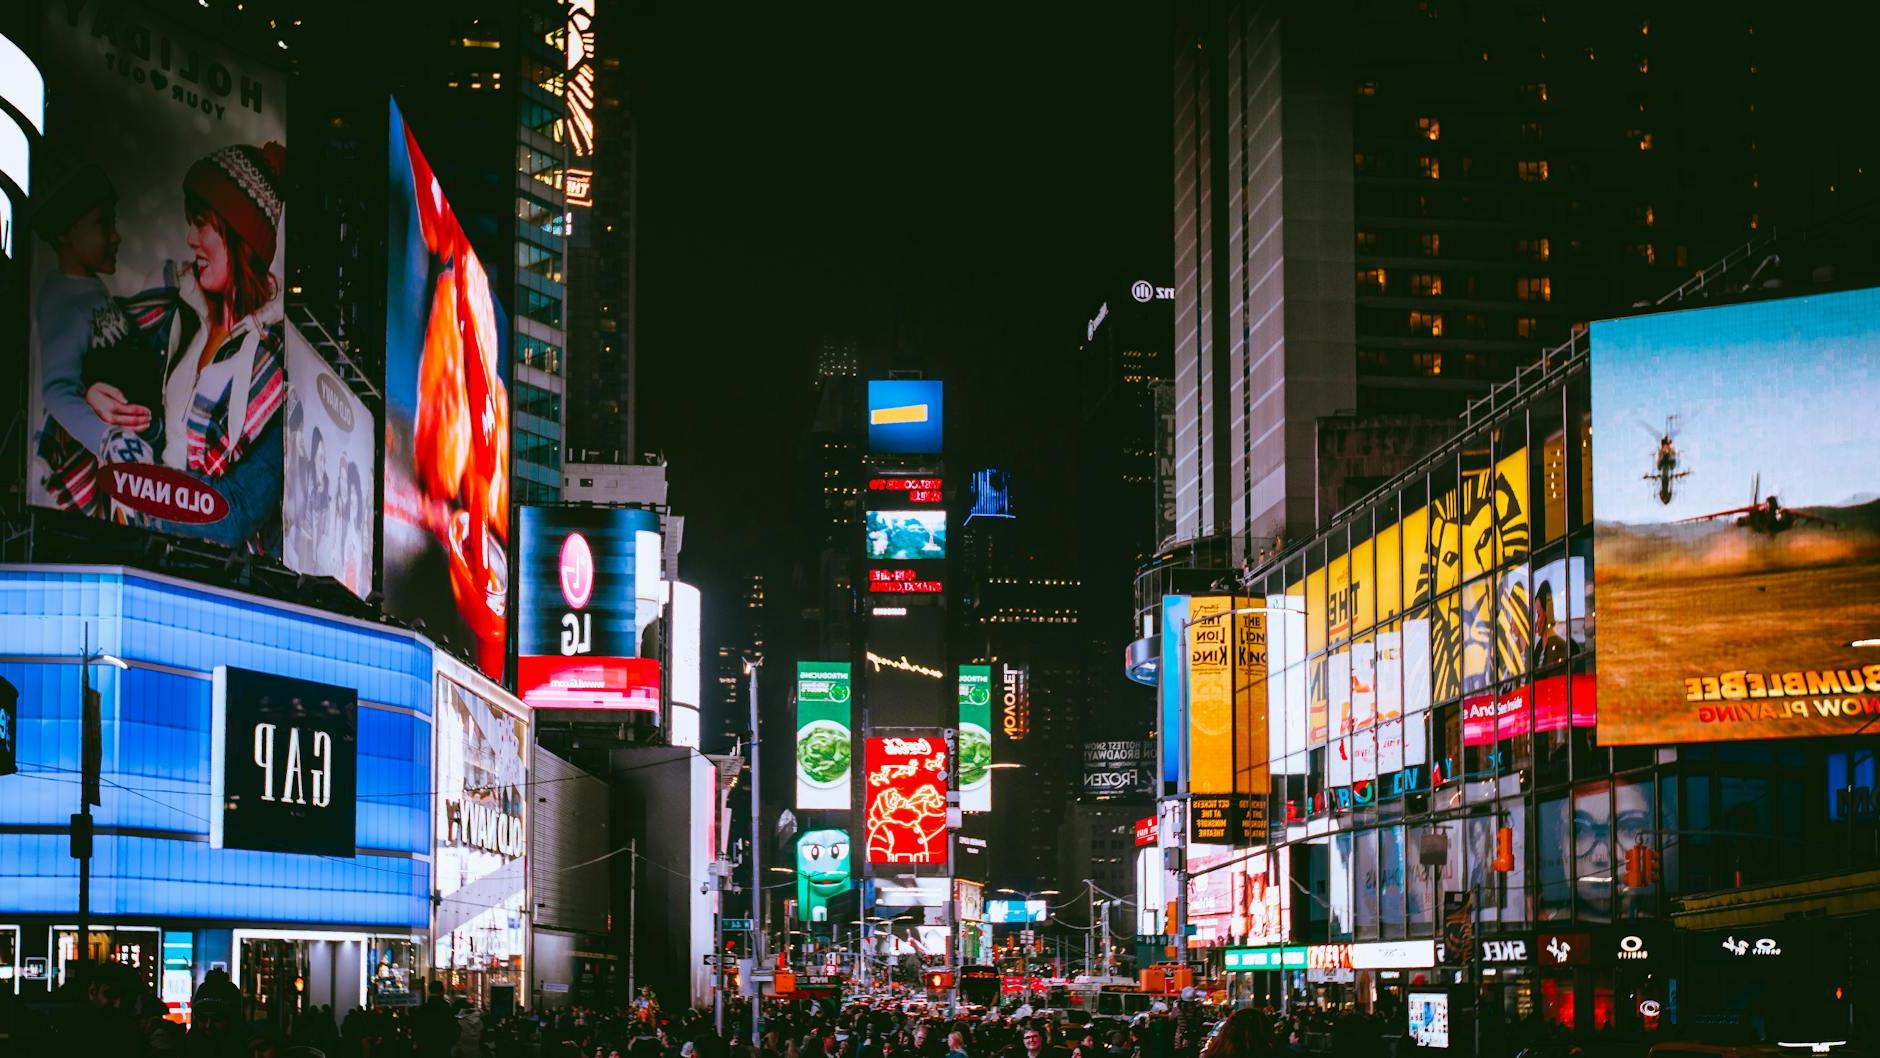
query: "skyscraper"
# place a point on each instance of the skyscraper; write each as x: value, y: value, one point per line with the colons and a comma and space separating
x: 1388, y: 210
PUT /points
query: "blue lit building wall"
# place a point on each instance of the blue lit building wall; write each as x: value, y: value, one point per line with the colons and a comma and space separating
x: 152, y: 856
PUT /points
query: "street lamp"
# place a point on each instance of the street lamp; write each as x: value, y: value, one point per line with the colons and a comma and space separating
x: 91, y: 763
x: 753, y: 662
x: 1181, y: 782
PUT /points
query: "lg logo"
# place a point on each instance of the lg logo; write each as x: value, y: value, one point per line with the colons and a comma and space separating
x: 577, y: 586
x: 1144, y: 291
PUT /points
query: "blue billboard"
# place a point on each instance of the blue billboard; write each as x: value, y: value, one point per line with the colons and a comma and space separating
x: 904, y: 416
x: 153, y: 854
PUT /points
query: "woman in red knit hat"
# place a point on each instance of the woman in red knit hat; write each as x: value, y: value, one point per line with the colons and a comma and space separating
x: 217, y: 328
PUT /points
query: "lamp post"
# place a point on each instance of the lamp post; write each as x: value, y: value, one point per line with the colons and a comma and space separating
x: 1181, y: 782
x: 753, y: 662
x: 91, y: 764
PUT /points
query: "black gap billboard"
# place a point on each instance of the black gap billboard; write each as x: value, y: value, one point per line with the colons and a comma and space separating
x: 284, y: 763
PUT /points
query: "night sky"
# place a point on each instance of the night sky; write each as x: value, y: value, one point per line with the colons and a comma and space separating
x: 949, y: 186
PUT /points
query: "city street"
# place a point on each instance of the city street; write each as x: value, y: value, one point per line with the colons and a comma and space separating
x: 1185, y: 529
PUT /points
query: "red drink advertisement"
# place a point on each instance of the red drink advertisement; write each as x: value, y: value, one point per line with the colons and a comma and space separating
x: 905, y: 794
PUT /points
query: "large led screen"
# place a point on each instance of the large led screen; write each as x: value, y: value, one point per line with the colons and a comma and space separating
x: 824, y: 746
x: 907, y: 536
x: 167, y: 390
x: 446, y: 549
x: 904, y: 677
x: 905, y: 800
x: 1737, y: 539
x: 975, y: 747
x: 585, y: 579
x: 823, y: 872
x: 482, y: 831
x: 904, y: 416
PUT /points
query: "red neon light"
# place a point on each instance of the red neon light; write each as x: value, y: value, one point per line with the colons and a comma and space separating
x: 900, y: 581
x: 906, y: 801
x: 919, y: 490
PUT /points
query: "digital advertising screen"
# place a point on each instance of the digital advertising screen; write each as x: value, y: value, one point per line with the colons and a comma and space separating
x: 584, y: 576
x: 904, y: 416
x: 1124, y: 768
x: 901, y: 490
x: 975, y: 744
x: 284, y: 764
x: 903, y: 581
x: 905, y: 677
x: 446, y: 535
x: 1429, y: 1019
x: 1010, y: 912
x: 158, y: 212
x: 823, y: 872
x: 907, y: 536
x: 824, y: 742
x: 905, y: 800
x: 1736, y: 550
x: 992, y: 494
x: 482, y: 831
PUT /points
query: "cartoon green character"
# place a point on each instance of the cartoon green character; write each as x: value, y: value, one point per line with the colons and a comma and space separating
x: 822, y: 872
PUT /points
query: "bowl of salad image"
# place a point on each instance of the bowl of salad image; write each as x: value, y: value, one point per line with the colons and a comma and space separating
x: 975, y: 756
x: 823, y: 754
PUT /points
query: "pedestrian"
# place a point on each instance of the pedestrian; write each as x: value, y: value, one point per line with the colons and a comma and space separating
x: 956, y: 1045
x: 1246, y: 1033
x: 434, y: 1026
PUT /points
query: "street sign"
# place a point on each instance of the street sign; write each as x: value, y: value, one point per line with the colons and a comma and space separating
x: 739, y: 925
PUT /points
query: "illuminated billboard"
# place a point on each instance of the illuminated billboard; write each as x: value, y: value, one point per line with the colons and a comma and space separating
x: 905, y: 676
x: 284, y: 764
x: 1013, y: 912
x: 1225, y: 673
x: 992, y: 494
x: 903, y: 581
x: 1119, y: 769
x: 587, y: 581
x: 904, y: 416
x: 1737, y: 548
x: 824, y: 743
x: 893, y: 491
x: 446, y: 534
x: 823, y: 872
x: 975, y: 747
x: 907, y: 536
x: 134, y: 417
x: 482, y: 831
x: 905, y: 800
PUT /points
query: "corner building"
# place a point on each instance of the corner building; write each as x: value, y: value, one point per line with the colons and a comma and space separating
x: 1433, y: 780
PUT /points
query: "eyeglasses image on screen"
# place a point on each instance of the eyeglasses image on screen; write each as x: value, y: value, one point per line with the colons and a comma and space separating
x: 906, y: 536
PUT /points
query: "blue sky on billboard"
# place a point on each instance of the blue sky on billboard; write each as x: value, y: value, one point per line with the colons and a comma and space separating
x: 904, y: 416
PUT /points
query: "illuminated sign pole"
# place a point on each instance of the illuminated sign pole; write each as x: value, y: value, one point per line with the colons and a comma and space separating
x: 1181, y: 796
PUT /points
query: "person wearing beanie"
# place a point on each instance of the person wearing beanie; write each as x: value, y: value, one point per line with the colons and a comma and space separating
x: 75, y: 212
x: 217, y: 327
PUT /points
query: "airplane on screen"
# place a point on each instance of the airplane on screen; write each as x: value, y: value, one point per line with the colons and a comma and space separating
x: 1766, y: 516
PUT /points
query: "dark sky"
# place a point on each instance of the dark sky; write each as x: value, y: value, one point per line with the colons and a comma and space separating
x: 950, y: 186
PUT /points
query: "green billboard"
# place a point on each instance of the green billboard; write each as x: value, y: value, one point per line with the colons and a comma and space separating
x: 823, y: 743
x: 975, y: 738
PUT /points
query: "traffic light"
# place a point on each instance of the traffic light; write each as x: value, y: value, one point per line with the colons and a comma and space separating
x: 1635, y: 867
x: 1504, y: 850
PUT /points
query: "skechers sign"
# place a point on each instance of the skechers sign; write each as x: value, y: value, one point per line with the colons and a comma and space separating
x: 283, y: 764
x: 588, y: 585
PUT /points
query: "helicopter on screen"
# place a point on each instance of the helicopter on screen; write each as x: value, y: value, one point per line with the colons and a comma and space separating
x: 1667, y: 464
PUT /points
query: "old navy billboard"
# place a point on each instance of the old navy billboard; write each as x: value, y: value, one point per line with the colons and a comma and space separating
x: 583, y: 577
x: 1736, y: 543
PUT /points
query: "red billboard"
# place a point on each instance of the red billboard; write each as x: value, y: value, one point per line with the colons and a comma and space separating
x: 901, y: 582
x: 588, y: 681
x: 906, y: 800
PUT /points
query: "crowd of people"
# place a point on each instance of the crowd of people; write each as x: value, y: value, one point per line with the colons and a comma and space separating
x: 110, y: 1011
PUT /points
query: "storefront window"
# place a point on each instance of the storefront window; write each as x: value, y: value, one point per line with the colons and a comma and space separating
x: 394, y: 977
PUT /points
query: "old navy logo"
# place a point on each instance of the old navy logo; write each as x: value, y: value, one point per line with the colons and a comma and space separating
x: 1408, y: 781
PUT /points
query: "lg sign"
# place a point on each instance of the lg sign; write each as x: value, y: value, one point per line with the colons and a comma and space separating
x: 577, y: 584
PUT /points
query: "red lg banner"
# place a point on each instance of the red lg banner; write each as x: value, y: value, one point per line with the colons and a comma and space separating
x: 906, y: 799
